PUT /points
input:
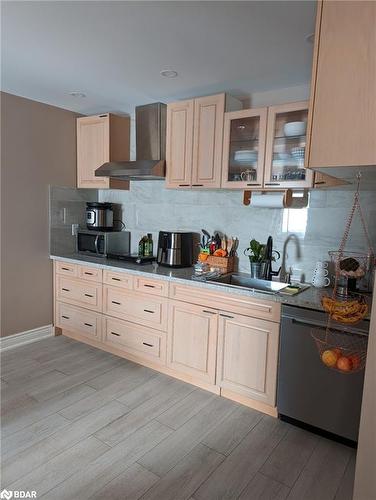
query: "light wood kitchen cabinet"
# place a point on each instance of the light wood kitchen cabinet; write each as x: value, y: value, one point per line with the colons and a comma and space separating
x: 194, y: 141
x: 135, y: 340
x: 244, y: 148
x: 179, y: 144
x: 136, y: 307
x: 192, y: 340
x: 79, y: 292
x: 87, y: 324
x: 285, y: 149
x: 342, y: 121
x: 247, y: 357
x: 100, y: 139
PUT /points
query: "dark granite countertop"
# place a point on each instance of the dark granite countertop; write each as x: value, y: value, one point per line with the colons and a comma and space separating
x: 309, y: 298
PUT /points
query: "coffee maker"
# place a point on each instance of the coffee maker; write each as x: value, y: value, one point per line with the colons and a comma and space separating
x: 175, y: 249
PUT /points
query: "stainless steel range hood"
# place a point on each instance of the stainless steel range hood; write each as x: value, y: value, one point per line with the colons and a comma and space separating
x: 150, y: 148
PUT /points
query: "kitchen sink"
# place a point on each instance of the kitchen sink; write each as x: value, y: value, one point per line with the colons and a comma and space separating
x: 244, y: 280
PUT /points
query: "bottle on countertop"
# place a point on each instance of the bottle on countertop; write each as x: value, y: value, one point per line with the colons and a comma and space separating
x: 141, y: 246
x: 149, y: 245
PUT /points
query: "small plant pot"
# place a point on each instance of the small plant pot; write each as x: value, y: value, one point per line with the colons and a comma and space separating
x: 257, y: 270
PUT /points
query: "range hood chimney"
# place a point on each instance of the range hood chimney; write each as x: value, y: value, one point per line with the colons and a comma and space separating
x: 150, y: 148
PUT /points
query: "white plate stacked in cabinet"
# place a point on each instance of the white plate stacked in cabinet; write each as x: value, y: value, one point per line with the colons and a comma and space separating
x: 223, y: 342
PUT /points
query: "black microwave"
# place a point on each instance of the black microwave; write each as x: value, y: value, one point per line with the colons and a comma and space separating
x: 102, y: 243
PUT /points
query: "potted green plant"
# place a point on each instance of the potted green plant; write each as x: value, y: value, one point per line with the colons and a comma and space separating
x: 256, y: 257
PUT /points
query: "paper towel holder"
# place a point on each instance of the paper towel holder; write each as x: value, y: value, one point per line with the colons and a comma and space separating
x: 289, y: 200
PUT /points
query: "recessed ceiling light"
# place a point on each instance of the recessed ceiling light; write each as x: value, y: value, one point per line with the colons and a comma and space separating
x: 77, y: 93
x: 310, y: 38
x: 169, y: 73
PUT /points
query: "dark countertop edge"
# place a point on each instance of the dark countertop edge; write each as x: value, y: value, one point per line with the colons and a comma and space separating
x: 309, y: 299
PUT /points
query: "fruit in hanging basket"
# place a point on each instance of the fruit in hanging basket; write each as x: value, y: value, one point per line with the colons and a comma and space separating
x: 329, y: 358
x: 355, y: 361
x: 344, y: 364
x: 348, y: 312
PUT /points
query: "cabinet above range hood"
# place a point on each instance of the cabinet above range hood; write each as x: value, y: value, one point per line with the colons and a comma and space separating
x: 150, y: 161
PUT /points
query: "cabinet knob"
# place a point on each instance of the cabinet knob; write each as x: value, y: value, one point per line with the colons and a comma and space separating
x: 226, y: 316
x: 208, y: 312
x: 116, y: 334
x: 148, y: 311
x: 116, y: 279
x: 88, y: 324
x: 89, y: 295
x: 114, y: 302
x: 149, y: 345
x: 65, y: 317
x: 66, y: 289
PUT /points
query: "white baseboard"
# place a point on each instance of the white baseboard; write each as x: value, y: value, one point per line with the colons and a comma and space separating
x: 23, y: 338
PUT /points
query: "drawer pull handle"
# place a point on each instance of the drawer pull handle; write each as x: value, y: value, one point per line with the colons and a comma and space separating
x: 65, y: 317
x: 90, y: 274
x: 117, y: 303
x: 148, y: 311
x: 116, y: 334
x: 65, y: 289
x: 208, y: 312
x: 149, y: 345
x: 197, y: 185
x: 88, y: 324
x: 149, y: 286
x: 183, y: 185
x: 88, y: 295
x: 116, y: 279
x: 226, y: 316
x: 67, y: 268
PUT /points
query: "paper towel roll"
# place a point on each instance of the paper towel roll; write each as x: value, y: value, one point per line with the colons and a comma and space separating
x: 269, y: 200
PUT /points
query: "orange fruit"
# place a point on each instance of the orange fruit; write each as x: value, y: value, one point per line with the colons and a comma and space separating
x: 329, y: 358
x: 344, y: 364
x: 355, y: 361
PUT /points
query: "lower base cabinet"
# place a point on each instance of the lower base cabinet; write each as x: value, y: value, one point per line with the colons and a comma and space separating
x: 136, y: 340
x: 247, y: 356
x: 192, y: 340
x: 87, y: 324
x: 229, y: 353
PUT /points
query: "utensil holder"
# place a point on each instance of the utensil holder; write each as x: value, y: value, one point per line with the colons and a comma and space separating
x: 225, y: 264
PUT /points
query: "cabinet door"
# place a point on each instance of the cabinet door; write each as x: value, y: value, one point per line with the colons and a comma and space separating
x: 248, y: 356
x: 343, y: 91
x: 286, y: 146
x: 207, y: 141
x: 93, y: 149
x: 191, y: 340
x: 179, y: 144
x: 244, y: 148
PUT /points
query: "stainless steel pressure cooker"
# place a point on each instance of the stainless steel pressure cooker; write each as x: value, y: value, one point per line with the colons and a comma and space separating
x: 99, y: 216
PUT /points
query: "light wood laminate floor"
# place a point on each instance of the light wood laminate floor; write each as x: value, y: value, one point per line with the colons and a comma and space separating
x: 80, y: 423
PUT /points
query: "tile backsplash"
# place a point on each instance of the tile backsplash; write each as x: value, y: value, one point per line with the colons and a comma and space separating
x: 149, y: 207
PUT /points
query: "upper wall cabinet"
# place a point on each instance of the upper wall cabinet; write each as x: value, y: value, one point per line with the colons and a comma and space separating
x: 286, y: 147
x: 194, y: 141
x: 244, y: 148
x: 343, y: 93
x: 100, y: 139
x: 265, y: 148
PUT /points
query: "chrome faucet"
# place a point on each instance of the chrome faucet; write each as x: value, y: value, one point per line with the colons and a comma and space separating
x: 284, y: 276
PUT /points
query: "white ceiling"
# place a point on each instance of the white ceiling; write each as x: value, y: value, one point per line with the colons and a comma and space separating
x: 114, y: 51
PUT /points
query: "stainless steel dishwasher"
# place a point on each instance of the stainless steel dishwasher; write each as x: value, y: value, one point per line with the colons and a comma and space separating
x: 308, y: 392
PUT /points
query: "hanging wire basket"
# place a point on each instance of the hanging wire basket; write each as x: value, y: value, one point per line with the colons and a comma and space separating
x: 340, y: 349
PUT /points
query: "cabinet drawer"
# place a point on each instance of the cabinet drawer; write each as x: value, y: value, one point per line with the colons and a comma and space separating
x: 236, y: 303
x: 90, y: 273
x: 135, y: 307
x: 135, y: 339
x: 79, y: 292
x: 151, y: 286
x: 122, y: 280
x: 66, y: 269
x: 82, y: 321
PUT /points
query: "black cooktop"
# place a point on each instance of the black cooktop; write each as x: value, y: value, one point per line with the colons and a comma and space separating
x: 136, y: 259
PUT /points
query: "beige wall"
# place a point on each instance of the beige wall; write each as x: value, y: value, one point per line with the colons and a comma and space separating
x: 38, y: 148
x: 365, y: 474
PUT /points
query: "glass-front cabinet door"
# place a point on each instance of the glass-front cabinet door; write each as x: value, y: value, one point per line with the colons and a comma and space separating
x: 244, y: 148
x: 286, y: 147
